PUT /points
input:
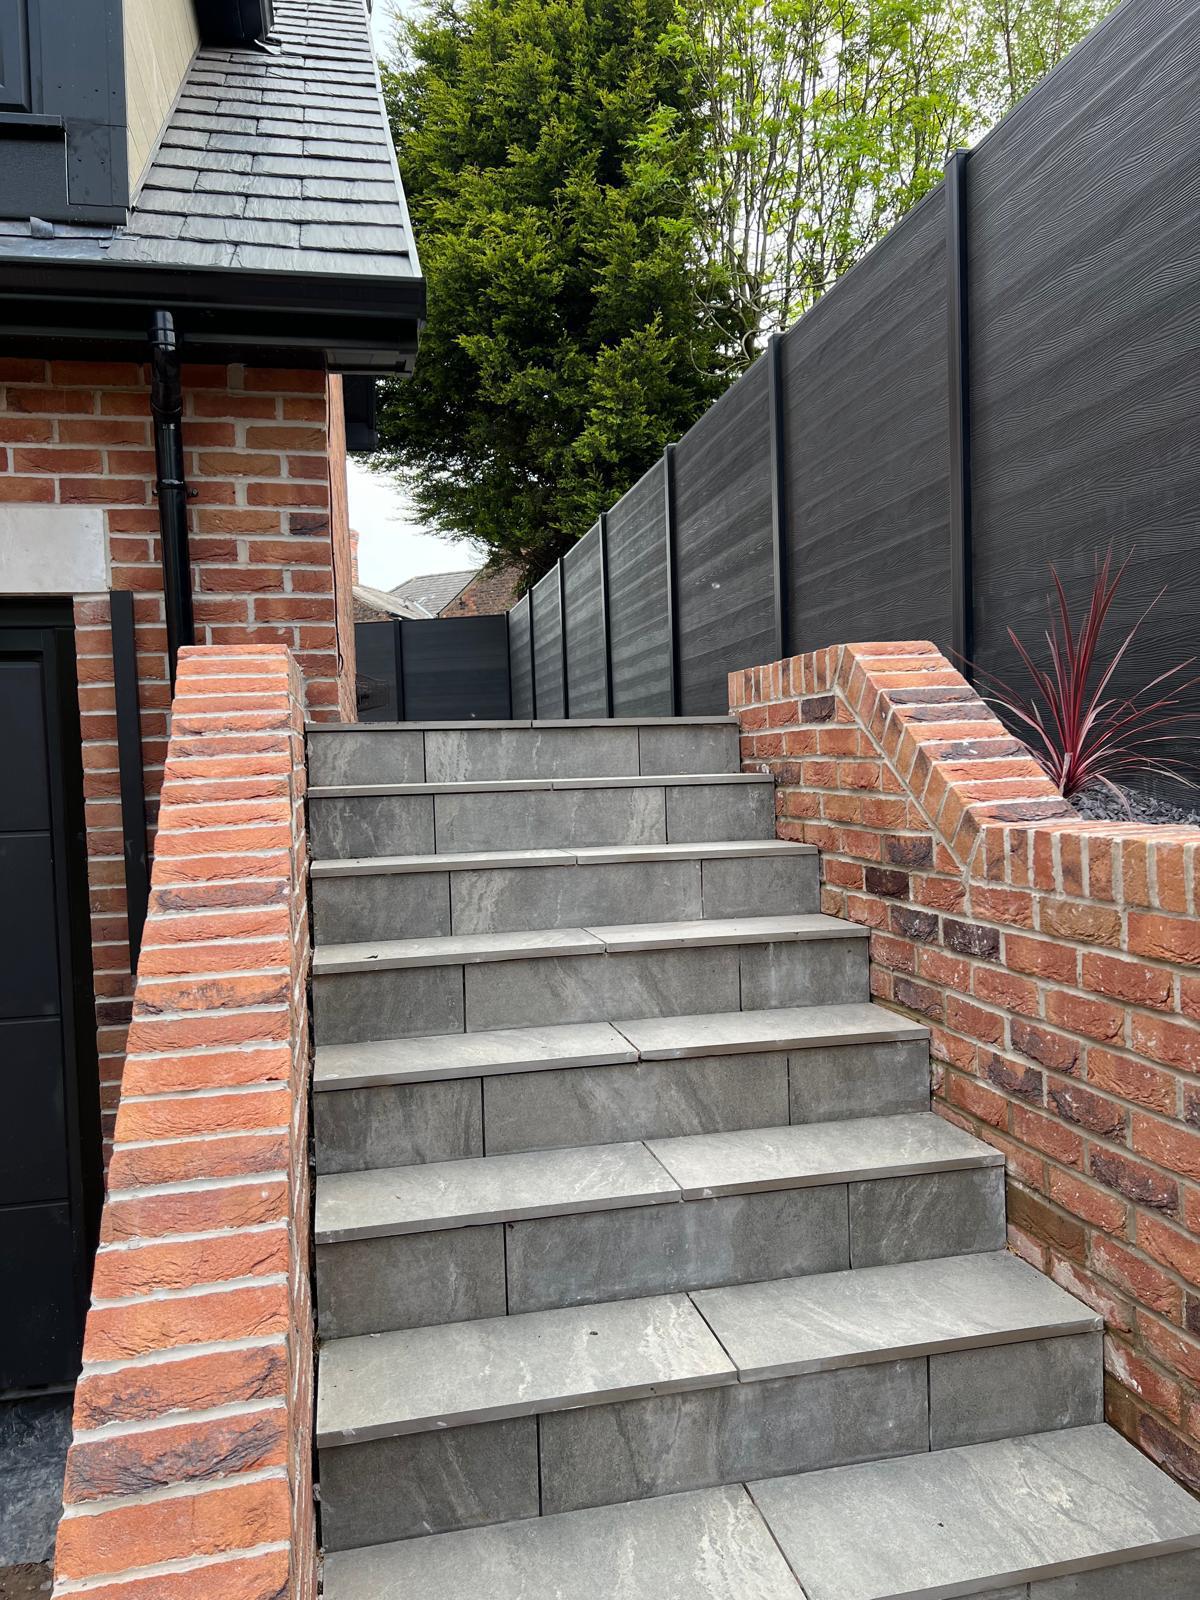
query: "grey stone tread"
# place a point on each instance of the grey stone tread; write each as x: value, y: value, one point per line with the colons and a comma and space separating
x: 715, y: 720
x: 784, y: 1028
x: 456, y: 1194
x: 840, y: 1319
x: 378, y: 1385
x: 469, y: 1055
x: 468, y: 948
x: 595, y: 1044
x: 706, y: 1164
x: 726, y: 930
x: 597, y: 855
x: 454, y: 950
x: 977, y: 1518
x: 470, y: 1192
x: 710, y: 1544
x: 653, y: 780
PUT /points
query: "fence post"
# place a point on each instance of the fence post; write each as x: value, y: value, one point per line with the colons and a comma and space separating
x: 962, y: 620
x: 129, y: 763
x: 532, y: 657
x: 562, y: 637
x: 398, y: 652
x: 672, y: 580
x: 775, y: 422
x: 605, y: 629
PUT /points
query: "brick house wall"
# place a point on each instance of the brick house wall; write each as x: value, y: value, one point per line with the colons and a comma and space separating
x: 1057, y: 963
x: 490, y: 591
x: 265, y: 457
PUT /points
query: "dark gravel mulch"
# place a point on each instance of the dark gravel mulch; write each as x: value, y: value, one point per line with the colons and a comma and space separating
x: 1098, y: 804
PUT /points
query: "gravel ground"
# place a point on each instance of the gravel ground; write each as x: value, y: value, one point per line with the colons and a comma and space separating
x: 1099, y: 805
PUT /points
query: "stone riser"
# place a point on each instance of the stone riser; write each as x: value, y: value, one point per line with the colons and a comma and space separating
x: 538, y: 819
x: 395, y: 1125
x: 401, y: 1487
x: 404, y: 1002
x: 477, y: 754
x: 413, y: 1280
x: 412, y: 905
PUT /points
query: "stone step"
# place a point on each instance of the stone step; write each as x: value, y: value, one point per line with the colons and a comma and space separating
x: 452, y: 1241
x: 397, y: 1101
x: 455, y: 752
x: 538, y: 813
x: 390, y: 989
x: 625, y: 1400
x: 1073, y: 1515
x: 494, y: 891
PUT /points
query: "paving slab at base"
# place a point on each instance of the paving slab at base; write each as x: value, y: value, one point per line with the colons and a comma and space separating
x: 973, y: 1520
x: 709, y: 1545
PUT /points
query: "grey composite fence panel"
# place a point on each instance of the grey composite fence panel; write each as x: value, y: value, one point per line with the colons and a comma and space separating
x: 867, y: 486
x: 547, y: 647
x: 375, y: 646
x: 455, y: 669
x: 586, y: 683
x: 724, y: 560
x: 520, y: 659
x: 1084, y: 275
x: 637, y: 570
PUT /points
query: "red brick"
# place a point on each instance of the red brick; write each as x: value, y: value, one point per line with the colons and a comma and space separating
x: 1175, y: 1249
x: 143, y: 1392
x: 1040, y: 957
x: 1175, y: 1044
x: 1132, y: 981
x: 190, y: 1452
x: 1043, y: 1045
x: 1143, y: 1281
x: 1086, y: 1201
x: 1143, y: 1378
x: 1175, y: 1148
x: 1132, y: 1080
x: 27, y: 491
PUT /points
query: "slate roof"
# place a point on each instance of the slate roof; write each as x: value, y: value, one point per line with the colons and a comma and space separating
x: 435, y: 590
x: 272, y: 160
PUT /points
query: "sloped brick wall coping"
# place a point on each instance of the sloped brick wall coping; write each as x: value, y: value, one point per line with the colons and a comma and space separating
x: 190, y: 1470
x: 1057, y: 962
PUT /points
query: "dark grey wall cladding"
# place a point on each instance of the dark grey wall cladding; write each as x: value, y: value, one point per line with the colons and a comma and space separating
x: 637, y: 576
x: 375, y: 668
x: 1083, y: 213
x: 547, y: 646
x: 586, y: 688
x: 865, y: 403
x: 724, y: 560
x: 520, y: 663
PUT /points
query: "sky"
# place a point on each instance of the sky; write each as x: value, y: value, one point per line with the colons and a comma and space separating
x: 393, y: 545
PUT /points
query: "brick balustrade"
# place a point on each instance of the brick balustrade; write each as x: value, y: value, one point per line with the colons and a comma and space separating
x: 1057, y: 963
x: 190, y: 1471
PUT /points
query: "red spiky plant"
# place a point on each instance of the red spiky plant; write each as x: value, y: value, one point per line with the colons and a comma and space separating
x: 1077, y: 731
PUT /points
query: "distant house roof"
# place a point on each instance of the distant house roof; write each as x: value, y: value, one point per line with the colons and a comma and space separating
x: 434, y: 592
x: 370, y: 605
x: 274, y: 182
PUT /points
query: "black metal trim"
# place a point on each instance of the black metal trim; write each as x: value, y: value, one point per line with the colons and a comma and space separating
x: 778, y: 448
x: 562, y: 638
x: 605, y: 619
x: 398, y: 648
x: 962, y: 619
x: 672, y: 579
x: 129, y: 761
x: 532, y: 654
x: 166, y: 406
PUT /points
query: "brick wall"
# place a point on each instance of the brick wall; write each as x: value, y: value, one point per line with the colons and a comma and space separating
x: 264, y: 451
x: 489, y: 592
x: 1057, y: 963
x: 189, y: 1477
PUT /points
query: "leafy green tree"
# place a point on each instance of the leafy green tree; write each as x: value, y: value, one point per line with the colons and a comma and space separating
x: 828, y: 119
x: 550, y: 151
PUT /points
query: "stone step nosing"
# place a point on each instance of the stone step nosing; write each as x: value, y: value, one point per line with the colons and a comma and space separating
x: 472, y: 949
x: 567, y: 856
x: 781, y: 1031
x: 392, y: 1366
x: 646, y: 1176
x: 715, y: 720
x: 672, y: 780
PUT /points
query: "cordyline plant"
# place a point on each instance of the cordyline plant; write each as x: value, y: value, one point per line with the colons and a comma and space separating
x: 1082, y: 735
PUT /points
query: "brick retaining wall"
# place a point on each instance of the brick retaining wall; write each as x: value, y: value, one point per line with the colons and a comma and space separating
x: 1057, y: 963
x: 190, y: 1474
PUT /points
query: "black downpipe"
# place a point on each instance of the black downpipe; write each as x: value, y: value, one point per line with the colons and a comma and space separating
x: 166, y: 405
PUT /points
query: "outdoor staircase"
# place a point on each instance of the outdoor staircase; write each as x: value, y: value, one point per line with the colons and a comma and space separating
x: 643, y: 1267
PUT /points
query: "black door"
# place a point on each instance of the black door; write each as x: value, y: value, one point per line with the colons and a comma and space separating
x: 49, y: 1116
